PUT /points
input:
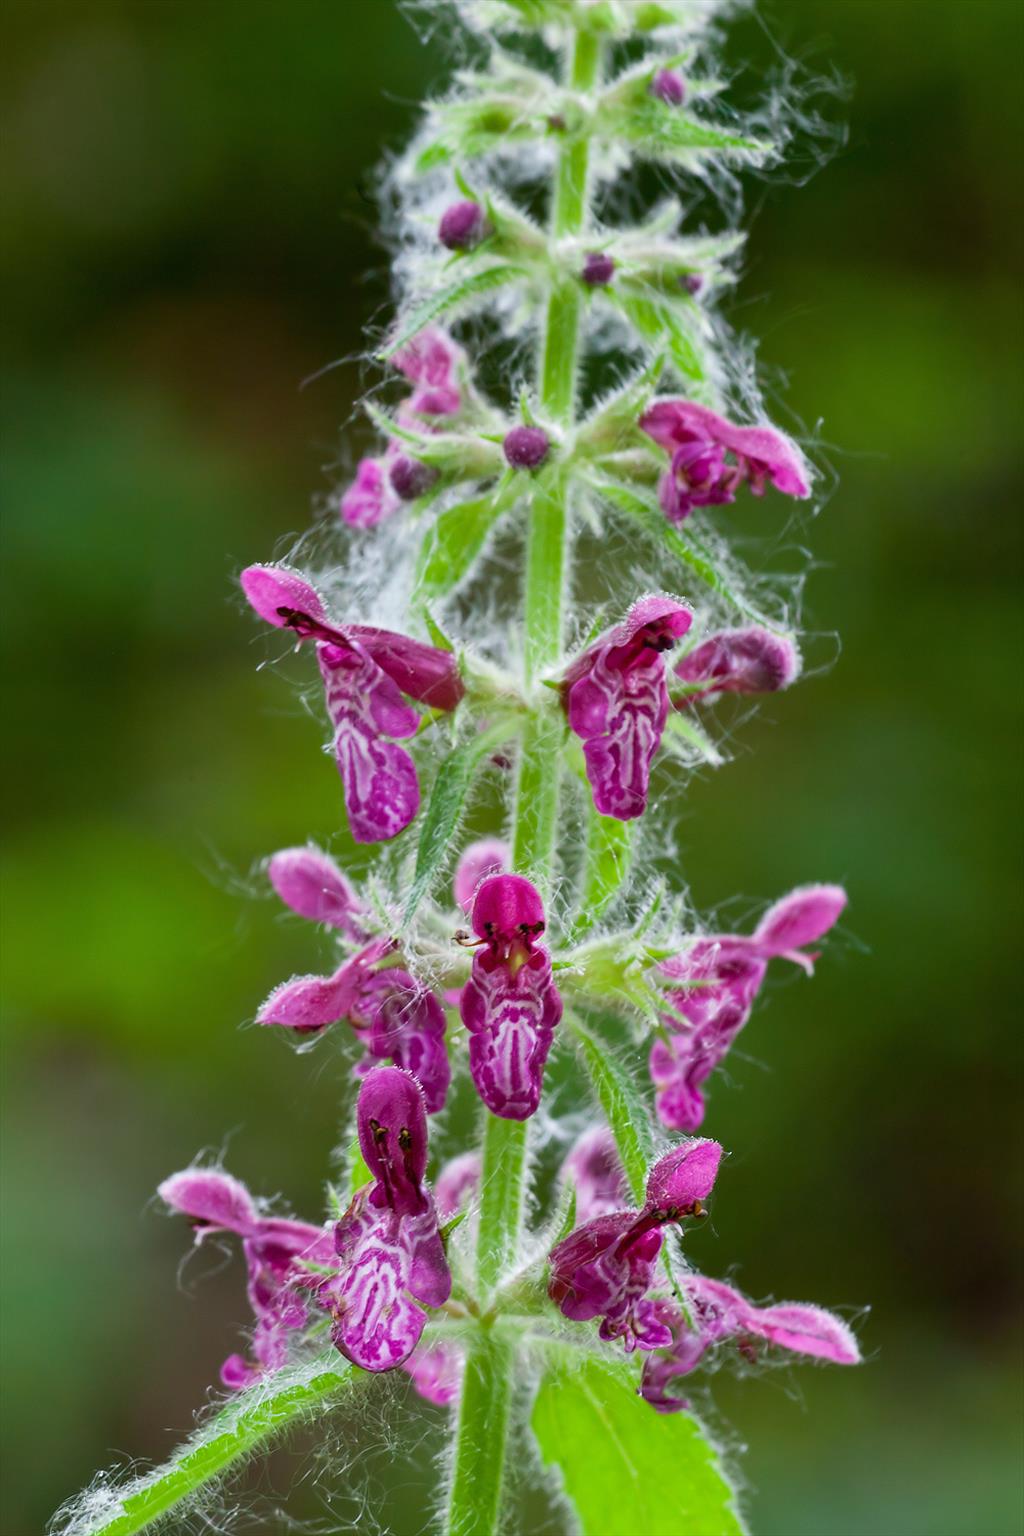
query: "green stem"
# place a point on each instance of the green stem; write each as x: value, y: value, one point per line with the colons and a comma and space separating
x: 481, y: 1443
x: 198, y: 1465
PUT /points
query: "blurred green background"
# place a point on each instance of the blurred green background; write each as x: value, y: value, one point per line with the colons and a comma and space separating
x: 188, y: 235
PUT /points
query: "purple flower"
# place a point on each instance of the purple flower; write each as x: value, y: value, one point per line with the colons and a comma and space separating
x: 365, y: 671
x: 313, y: 886
x: 395, y: 1016
x: 410, y: 478
x: 371, y: 497
x: 722, y: 976
x: 431, y: 362
x: 488, y: 857
x: 391, y: 1260
x: 598, y: 269
x: 463, y: 225
x: 274, y: 1248
x: 698, y: 440
x: 668, y: 86
x: 456, y: 1184
x: 510, y: 1004
x: 526, y: 447
x: 692, y: 283
x: 606, y: 1267
x: 594, y: 1168
x: 721, y: 1313
x: 436, y: 1372
x: 617, y: 702
x: 751, y: 660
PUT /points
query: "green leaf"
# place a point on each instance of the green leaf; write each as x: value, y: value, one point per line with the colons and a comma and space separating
x: 448, y: 299
x: 664, y: 321
x: 625, y: 1467
x: 615, y: 1086
x: 446, y: 801
x: 452, y: 543
x: 358, y: 1172
x: 687, y: 741
x: 664, y: 130
x: 609, y: 844
x: 687, y: 549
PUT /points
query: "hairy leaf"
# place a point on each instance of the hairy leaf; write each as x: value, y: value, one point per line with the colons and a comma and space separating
x: 625, y: 1467
x: 446, y: 801
x: 615, y: 1086
x: 450, y: 299
x: 452, y: 544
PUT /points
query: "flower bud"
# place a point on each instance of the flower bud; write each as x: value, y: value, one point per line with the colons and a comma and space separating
x: 462, y: 226
x: 692, y: 283
x: 598, y: 269
x: 526, y: 447
x: 668, y: 86
x: 411, y: 479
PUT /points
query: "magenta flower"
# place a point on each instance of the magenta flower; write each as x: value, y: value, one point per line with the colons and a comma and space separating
x: 510, y: 1004
x: 490, y: 856
x: 274, y: 1248
x: 457, y: 1184
x: 436, y: 1372
x: 722, y: 976
x: 463, y: 225
x: 668, y: 86
x: 313, y: 886
x: 526, y: 447
x: 365, y: 671
x: 395, y: 1016
x: 598, y: 269
x: 432, y: 363
x: 606, y: 1267
x: 391, y: 1260
x: 595, y: 1170
x: 721, y: 1313
x: 698, y: 440
x: 617, y: 702
x: 749, y: 660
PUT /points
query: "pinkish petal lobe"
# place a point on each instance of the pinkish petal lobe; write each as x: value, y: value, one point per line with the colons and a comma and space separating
x: 276, y: 590
x: 370, y: 499
x: 214, y: 1201
x: 684, y: 1176
x: 423, y: 672
x: 312, y: 885
x: 800, y: 918
x: 488, y: 857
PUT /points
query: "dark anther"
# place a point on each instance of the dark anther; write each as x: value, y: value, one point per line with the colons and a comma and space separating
x: 405, y: 1138
x: 379, y: 1131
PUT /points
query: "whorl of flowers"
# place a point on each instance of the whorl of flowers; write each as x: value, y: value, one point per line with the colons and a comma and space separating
x: 459, y: 640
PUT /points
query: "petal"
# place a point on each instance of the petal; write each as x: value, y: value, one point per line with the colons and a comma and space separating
x: 370, y: 498
x: 457, y: 1184
x: 436, y: 1373
x: 504, y: 905
x: 511, y: 1017
x: 678, y: 1101
x: 408, y: 1026
x: 806, y: 1330
x: 684, y: 1175
x: 424, y: 672
x: 588, y: 1276
x: 214, y: 1200
x: 594, y: 1167
x: 392, y: 1126
x: 377, y: 1326
x: 313, y: 886
x: 488, y: 857
x: 803, y: 916
x: 381, y: 787
x: 311, y: 1002
x: 752, y: 660
x: 271, y: 588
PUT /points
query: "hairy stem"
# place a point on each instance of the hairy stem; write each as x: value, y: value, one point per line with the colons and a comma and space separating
x: 213, y: 1454
x: 481, y: 1445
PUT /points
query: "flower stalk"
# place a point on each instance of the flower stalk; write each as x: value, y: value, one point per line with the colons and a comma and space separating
x: 435, y: 1271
